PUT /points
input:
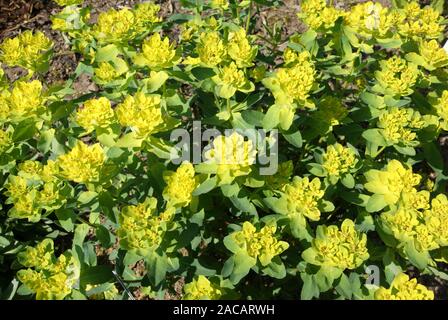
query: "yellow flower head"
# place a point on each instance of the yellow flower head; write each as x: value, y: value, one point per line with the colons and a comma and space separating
x: 405, y: 226
x: 106, y: 72
x: 420, y: 23
x: 261, y: 245
x: 339, y: 160
x: 343, y: 248
x: 240, y: 49
x: 434, y: 56
x: 211, y: 49
x: 229, y: 80
x: 52, y: 278
x: 232, y: 155
x: 316, y: 14
x: 30, y: 169
x: 142, y: 112
x: 27, y: 50
x: 68, y: 2
x: 16, y: 186
x: 26, y: 100
x: 180, y: 185
x: 140, y: 226
x: 220, y: 4
x: 441, y: 107
x: 403, y: 288
x: 201, y: 289
x: 115, y: 26
x: 391, y: 182
x: 96, y: 113
x: 302, y: 196
x: 290, y: 56
x: 398, y: 125
x: 40, y: 256
x: 370, y: 18
x: 49, y: 171
x: 146, y: 14
x: 292, y: 84
x: 397, y: 77
x: 157, y: 53
x: 83, y: 163
x: 436, y: 219
x: 6, y: 142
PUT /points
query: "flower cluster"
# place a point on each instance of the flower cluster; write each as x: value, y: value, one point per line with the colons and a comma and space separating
x: 115, y: 26
x: 83, y: 163
x: 28, y: 50
x: 343, y: 248
x: 396, y: 77
x: 303, y: 197
x: 316, y: 14
x: 230, y: 80
x: 201, y: 289
x: 35, y: 189
x: 403, y: 288
x: 157, y: 53
x: 180, y: 185
x: 398, y: 126
x: 370, y: 19
x: 50, y: 278
x: 260, y: 245
x: 293, y: 84
x: 441, y: 107
x: 419, y: 23
x: 141, y: 228
x: 232, y: 155
x: 392, y: 183
x: 96, y: 113
x: 25, y: 100
x: 339, y: 160
x: 142, y: 113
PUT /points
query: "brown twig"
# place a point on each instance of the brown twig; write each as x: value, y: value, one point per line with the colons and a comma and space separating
x: 20, y: 24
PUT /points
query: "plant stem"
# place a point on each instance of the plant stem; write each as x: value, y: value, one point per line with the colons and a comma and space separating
x: 249, y: 14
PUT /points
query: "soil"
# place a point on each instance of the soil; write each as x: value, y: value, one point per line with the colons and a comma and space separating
x: 19, y: 15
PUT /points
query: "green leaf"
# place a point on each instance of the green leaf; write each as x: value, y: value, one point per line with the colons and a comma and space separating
x: 206, y: 186
x: 66, y: 218
x: 243, y: 264
x: 244, y: 204
x: 95, y: 275
x: 316, y: 169
x: 24, y: 131
x: 375, y: 203
x: 107, y: 53
x: 104, y: 236
x: 417, y: 258
x: 344, y: 287
x: 157, y: 267
x: 374, y: 136
x: 310, y: 288
x: 438, y: 5
x: 276, y: 269
x: 294, y: 138
x: 87, y: 197
x: 348, y: 181
x: 202, y: 73
x: 45, y: 140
